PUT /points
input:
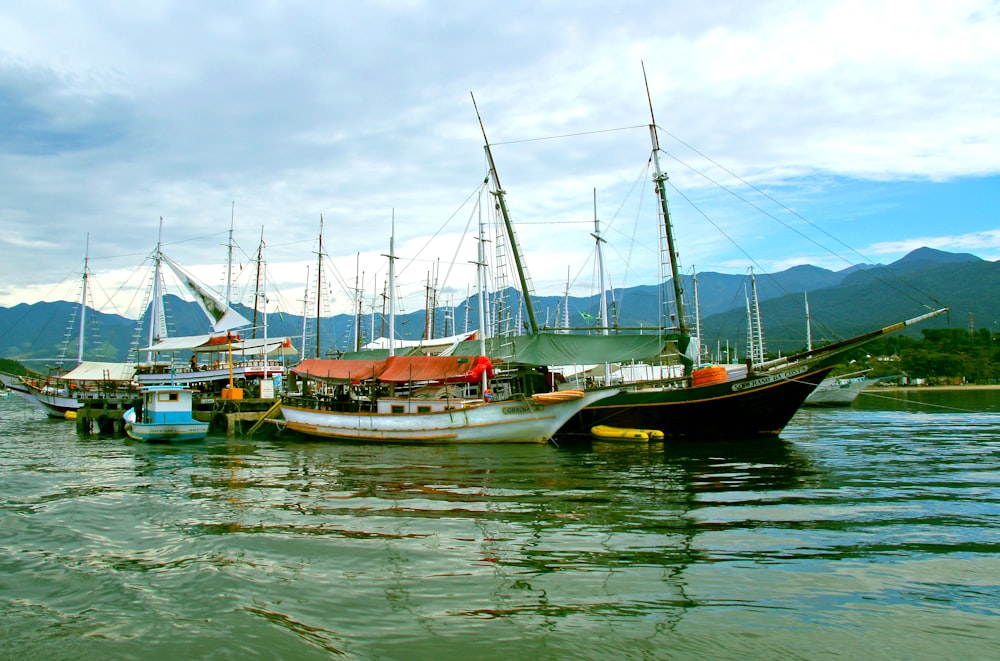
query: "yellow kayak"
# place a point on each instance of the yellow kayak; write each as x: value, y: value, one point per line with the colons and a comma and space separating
x: 606, y: 433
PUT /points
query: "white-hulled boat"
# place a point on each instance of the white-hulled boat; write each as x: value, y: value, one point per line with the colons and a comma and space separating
x: 53, y: 400
x: 165, y: 416
x: 442, y: 403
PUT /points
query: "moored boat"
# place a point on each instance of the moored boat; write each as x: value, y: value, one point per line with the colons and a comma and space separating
x: 841, y: 390
x: 50, y: 396
x: 165, y: 416
x: 757, y: 401
x: 424, y: 399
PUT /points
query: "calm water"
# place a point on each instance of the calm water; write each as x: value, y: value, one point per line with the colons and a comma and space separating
x: 870, y: 532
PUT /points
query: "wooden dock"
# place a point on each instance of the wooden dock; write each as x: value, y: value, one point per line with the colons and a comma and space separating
x: 233, y: 417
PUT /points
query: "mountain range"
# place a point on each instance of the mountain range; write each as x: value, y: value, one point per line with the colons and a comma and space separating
x: 841, y: 304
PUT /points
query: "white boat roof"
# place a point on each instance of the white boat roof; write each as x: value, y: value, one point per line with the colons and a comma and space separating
x: 438, y: 342
x: 98, y: 371
x: 274, y: 346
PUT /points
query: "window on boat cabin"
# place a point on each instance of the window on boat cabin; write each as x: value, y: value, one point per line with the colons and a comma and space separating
x: 397, y: 408
x: 423, y: 409
x: 168, y: 397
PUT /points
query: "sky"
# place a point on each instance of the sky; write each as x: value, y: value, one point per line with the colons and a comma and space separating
x: 828, y: 133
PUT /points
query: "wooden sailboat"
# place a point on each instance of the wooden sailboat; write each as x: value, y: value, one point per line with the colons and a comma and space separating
x: 211, y: 367
x: 424, y: 399
x: 61, y: 394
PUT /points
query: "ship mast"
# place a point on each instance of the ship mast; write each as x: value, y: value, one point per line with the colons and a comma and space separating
x: 392, y: 286
x: 229, y: 256
x: 600, y: 265
x: 156, y: 300
x: 319, y: 283
x: 509, y: 227
x: 660, y: 179
x: 83, y: 301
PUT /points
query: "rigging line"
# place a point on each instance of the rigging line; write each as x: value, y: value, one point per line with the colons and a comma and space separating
x: 792, y: 212
x: 554, y: 222
x: 713, y: 224
x: 568, y: 135
x: 458, y: 247
x: 918, y: 404
x: 290, y: 243
x: 445, y: 224
x: 804, y: 236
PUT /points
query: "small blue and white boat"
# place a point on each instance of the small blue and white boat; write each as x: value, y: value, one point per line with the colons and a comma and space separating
x: 166, y: 416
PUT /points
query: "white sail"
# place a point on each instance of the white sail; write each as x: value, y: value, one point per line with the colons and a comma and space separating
x: 222, y: 316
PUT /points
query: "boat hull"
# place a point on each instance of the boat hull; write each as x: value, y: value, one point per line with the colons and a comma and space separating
x: 512, y: 421
x: 831, y: 392
x: 53, y: 405
x: 166, y: 432
x: 756, y: 406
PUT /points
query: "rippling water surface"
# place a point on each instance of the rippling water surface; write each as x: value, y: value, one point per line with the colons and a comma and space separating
x: 867, y: 532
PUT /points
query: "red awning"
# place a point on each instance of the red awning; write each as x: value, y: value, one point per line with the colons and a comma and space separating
x: 454, y: 369
x: 339, y: 370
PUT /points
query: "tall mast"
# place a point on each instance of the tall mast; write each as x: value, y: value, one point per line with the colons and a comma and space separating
x: 357, y: 295
x: 392, y: 286
x: 809, y: 330
x: 257, y: 285
x: 156, y: 302
x: 697, y: 312
x: 305, y: 311
x: 481, y: 294
x: 509, y: 227
x: 755, y: 331
x: 482, y: 286
x: 565, y: 314
x: 319, y: 282
x: 229, y: 258
x: 83, y: 301
x: 660, y: 179
x: 756, y: 313
x: 371, y: 329
x: 262, y: 280
x: 600, y: 267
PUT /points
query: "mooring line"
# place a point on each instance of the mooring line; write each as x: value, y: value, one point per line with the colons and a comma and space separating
x: 928, y: 404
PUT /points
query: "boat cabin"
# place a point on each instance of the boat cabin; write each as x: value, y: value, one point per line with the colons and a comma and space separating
x: 166, y: 405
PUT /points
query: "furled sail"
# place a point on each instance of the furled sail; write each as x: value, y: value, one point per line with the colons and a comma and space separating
x: 222, y: 316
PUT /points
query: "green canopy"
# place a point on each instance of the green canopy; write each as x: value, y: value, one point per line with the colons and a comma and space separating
x: 562, y: 349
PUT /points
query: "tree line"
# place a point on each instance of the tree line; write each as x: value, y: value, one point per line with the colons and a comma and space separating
x: 941, y: 354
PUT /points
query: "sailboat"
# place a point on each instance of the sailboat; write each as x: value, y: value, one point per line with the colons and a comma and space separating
x: 61, y: 395
x: 682, y: 399
x: 211, y: 367
x: 424, y: 399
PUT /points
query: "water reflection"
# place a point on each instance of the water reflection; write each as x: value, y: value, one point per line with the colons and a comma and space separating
x: 871, y: 522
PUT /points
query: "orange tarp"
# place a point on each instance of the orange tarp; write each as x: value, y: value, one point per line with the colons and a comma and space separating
x: 464, y: 369
x: 399, y: 369
x: 339, y: 370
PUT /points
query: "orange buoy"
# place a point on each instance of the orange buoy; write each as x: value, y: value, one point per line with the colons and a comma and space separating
x: 710, y: 375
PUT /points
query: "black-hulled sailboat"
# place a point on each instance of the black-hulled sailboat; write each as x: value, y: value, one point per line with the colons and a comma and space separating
x: 669, y: 394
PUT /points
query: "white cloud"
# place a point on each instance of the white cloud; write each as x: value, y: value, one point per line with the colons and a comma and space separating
x: 981, y: 243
